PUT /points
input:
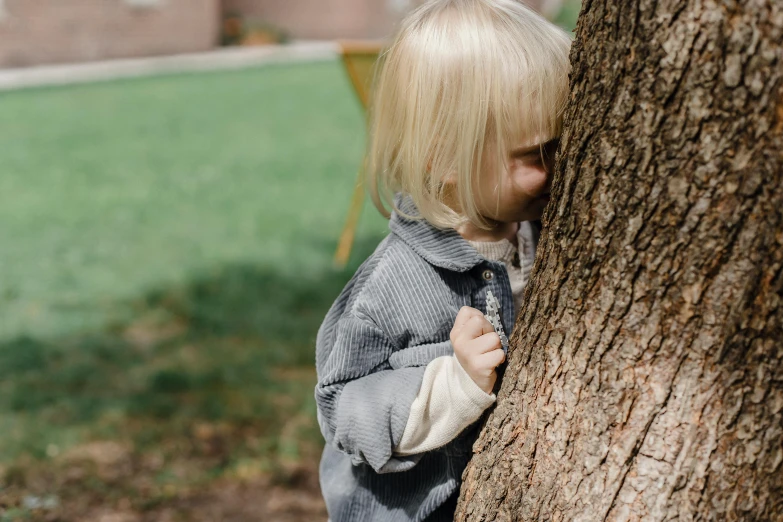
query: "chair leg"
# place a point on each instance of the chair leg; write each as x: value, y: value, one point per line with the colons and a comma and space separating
x: 345, y: 244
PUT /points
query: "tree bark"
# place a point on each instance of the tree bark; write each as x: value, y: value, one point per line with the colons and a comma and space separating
x: 645, y: 380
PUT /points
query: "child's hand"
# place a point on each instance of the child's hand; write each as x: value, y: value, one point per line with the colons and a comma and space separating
x: 477, y: 347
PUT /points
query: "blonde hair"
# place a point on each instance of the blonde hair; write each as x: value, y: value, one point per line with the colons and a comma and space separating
x: 463, y: 83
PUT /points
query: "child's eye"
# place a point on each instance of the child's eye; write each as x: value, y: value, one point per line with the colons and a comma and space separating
x: 539, y: 155
x: 530, y: 158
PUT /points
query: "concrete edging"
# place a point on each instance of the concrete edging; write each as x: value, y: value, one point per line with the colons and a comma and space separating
x: 219, y: 59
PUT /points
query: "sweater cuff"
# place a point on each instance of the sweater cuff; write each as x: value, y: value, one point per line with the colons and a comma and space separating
x: 447, y: 403
x: 471, y: 390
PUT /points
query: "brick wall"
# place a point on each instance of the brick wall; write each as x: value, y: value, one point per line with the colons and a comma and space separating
x: 328, y: 19
x: 54, y: 31
x: 36, y: 32
x: 324, y: 19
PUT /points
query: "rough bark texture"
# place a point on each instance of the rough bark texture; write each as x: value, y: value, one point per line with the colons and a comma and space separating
x: 646, y: 379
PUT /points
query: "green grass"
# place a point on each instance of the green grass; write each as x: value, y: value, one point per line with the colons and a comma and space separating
x: 166, y: 250
x: 109, y: 190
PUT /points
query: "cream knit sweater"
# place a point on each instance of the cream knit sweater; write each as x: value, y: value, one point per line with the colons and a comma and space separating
x: 448, y: 400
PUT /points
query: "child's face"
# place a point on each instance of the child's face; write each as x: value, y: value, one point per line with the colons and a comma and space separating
x: 524, y: 185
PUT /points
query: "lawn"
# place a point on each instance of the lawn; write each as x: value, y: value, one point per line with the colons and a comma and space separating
x: 166, y: 250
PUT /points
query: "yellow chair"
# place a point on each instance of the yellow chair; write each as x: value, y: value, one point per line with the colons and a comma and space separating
x: 359, y: 58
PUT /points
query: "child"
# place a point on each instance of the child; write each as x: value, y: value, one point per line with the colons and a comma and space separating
x: 466, y: 113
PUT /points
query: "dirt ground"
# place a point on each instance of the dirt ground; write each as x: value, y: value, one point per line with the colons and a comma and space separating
x: 106, y: 482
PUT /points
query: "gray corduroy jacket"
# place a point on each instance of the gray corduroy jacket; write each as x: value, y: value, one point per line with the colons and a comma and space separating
x: 389, y: 322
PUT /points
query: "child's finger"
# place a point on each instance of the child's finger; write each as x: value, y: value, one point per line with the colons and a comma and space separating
x: 465, y: 314
x: 491, y: 359
x: 487, y: 342
x: 475, y: 327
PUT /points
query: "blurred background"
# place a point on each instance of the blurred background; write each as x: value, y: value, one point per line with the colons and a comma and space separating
x: 167, y: 237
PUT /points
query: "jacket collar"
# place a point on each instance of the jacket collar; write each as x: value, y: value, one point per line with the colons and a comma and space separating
x: 442, y: 248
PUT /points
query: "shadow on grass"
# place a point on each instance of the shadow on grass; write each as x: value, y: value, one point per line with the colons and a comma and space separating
x: 231, y: 353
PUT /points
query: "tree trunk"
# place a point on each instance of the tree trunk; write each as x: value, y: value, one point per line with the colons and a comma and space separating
x: 646, y: 376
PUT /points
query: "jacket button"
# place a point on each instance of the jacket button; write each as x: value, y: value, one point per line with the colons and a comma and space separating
x: 488, y: 275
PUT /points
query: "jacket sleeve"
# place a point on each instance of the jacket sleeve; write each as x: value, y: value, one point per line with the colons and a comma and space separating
x: 363, y: 406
